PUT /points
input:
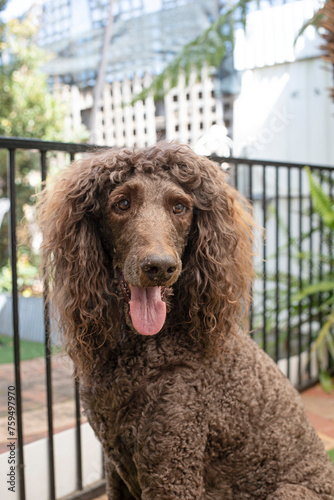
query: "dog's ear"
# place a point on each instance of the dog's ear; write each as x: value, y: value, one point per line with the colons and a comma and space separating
x: 218, y: 268
x: 75, y: 263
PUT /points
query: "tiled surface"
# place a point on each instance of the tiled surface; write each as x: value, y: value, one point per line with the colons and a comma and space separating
x: 318, y: 404
x: 320, y: 410
x: 33, y: 380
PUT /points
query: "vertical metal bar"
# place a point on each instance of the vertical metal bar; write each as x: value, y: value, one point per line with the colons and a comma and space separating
x: 78, y: 433
x: 236, y: 183
x: 321, y: 239
x: 330, y: 255
x: 250, y: 183
x: 277, y: 270
x: 52, y: 485
x: 13, y: 256
x: 330, y: 237
x: 264, y: 261
x: 289, y: 274
x: 78, y: 418
x: 103, y: 475
x: 310, y: 319
x: 300, y: 272
x: 250, y: 197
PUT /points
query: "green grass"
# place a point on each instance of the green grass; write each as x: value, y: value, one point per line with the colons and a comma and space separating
x: 28, y: 350
x: 331, y: 455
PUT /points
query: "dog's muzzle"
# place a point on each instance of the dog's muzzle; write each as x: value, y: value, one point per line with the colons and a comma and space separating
x: 147, y: 307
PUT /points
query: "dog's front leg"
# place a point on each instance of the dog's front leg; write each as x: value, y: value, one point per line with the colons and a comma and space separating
x: 170, y: 455
x: 116, y: 488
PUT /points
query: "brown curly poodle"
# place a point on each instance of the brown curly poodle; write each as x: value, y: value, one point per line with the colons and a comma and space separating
x: 149, y: 256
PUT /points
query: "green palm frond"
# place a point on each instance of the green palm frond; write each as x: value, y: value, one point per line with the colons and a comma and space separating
x: 208, y: 49
x: 322, y: 286
x: 324, y: 341
x: 323, y: 203
x: 316, y: 20
x: 324, y: 19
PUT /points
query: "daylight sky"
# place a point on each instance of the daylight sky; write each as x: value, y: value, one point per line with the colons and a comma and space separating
x: 17, y: 7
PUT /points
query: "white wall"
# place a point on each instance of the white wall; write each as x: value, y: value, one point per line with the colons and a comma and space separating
x: 284, y: 111
x: 36, y: 465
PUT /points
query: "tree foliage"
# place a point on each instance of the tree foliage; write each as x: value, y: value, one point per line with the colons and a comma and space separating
x: 324, y: 19
x: 327, y: 22
x: 28, y: 108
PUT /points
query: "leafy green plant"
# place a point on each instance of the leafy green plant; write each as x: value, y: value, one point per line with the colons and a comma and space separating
x: 28, y: 109
x: 28, y: 281
x: 331, y: 455
x: 298, y: 314
x: 324, y: 206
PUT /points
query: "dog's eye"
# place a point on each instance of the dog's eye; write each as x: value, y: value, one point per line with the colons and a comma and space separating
x: 122, y: 205
x: 179, y: 209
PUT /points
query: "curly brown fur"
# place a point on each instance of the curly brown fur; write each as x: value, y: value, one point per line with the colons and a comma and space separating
x: 189, y: 408
x: 212, y: 294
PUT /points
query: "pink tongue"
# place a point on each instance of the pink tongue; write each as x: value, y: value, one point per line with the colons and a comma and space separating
x: 148, y: 311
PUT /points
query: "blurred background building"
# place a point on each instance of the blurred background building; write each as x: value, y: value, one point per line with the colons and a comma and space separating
x: 270, y: 92
x: 269, y: 99
x: 146, y: 36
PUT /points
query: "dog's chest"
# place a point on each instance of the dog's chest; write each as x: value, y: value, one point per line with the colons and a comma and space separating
x: 115, y: 411
x: 114, y: 408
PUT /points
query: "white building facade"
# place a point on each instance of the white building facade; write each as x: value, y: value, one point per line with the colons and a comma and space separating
x: 284, y: 111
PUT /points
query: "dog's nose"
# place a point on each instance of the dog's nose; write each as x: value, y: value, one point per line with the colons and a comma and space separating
x: 158, y: 268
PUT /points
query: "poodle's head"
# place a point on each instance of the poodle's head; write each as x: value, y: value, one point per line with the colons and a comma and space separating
x: 127, y: 231
x: 144, y: 226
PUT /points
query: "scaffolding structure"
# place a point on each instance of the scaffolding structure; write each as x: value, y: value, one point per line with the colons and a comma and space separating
x: 146, y: 35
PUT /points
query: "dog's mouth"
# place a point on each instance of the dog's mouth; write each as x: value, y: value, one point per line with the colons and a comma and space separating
x: 147, y: 307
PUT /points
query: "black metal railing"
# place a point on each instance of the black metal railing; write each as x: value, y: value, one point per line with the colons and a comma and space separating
x: 296, y: 252
x: 12, y: 145
x: 280, y: 196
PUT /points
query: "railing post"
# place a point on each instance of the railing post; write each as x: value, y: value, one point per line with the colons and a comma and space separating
x: 52, y: 486
x: 78, y: 441
x: 13, y: 257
